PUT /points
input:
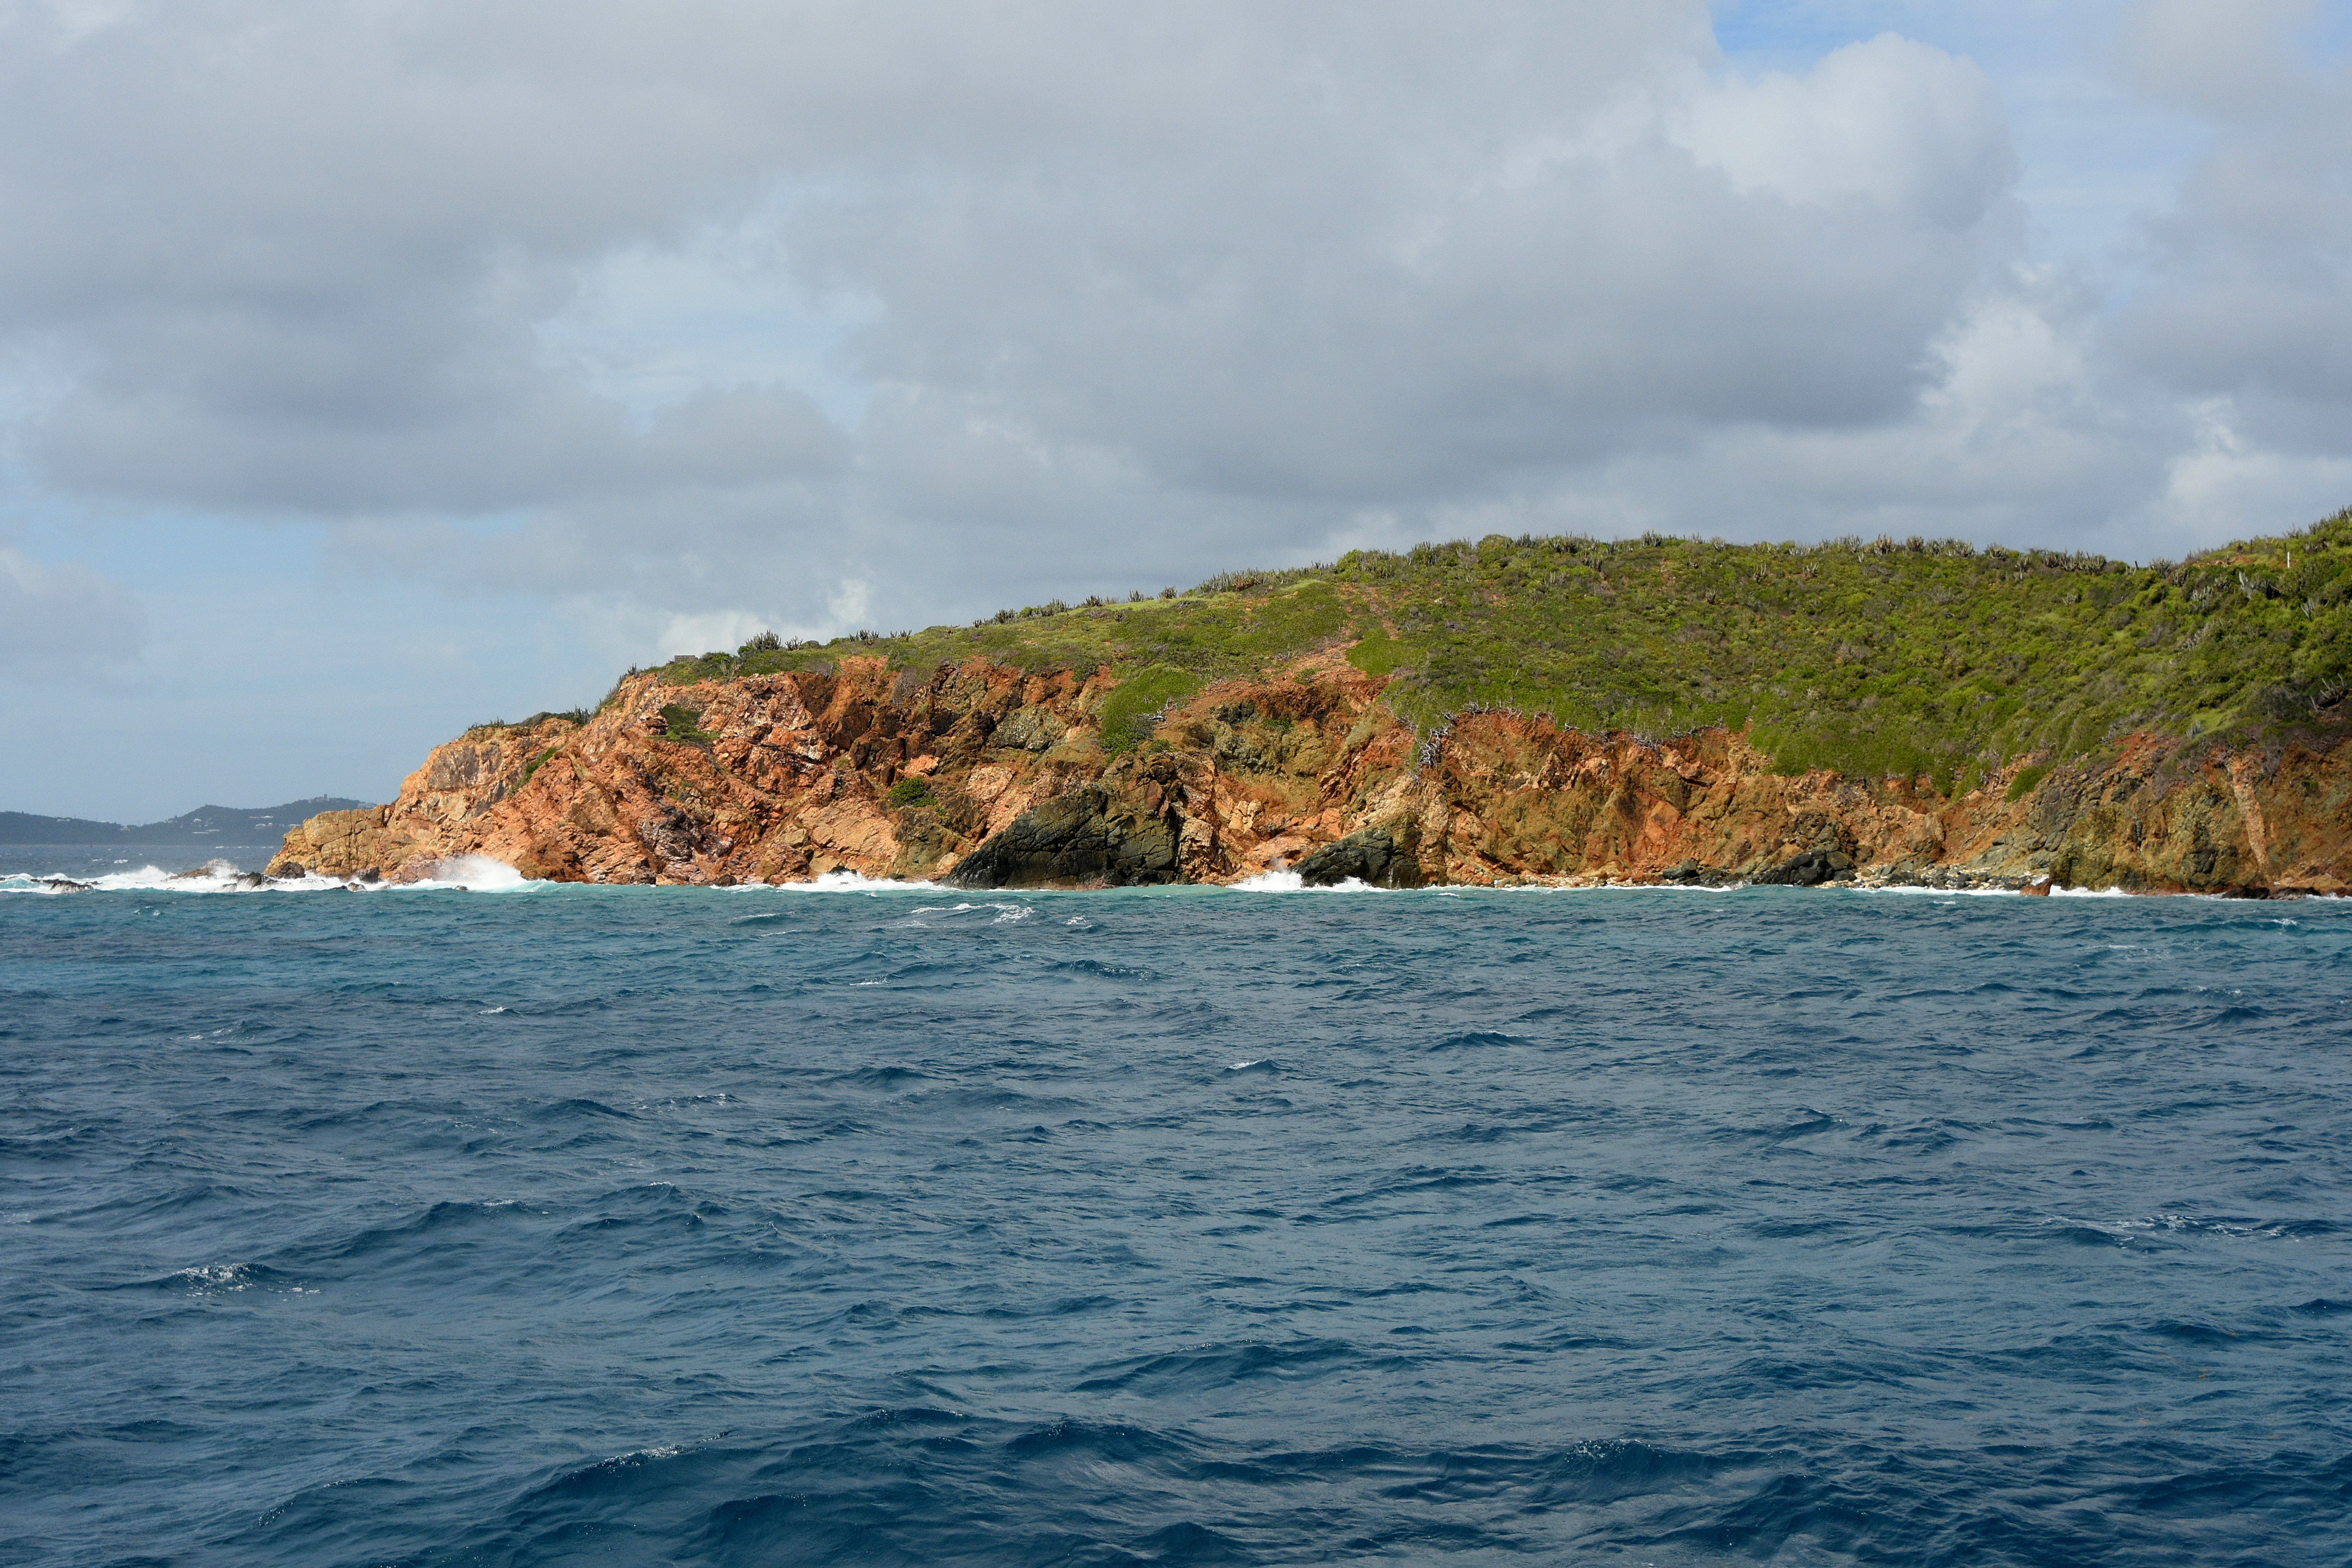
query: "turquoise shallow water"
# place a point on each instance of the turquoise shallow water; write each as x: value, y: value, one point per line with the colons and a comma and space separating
x: 641, y: 1226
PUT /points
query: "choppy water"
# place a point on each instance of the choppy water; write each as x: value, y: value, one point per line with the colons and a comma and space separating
x: 643, y: 1226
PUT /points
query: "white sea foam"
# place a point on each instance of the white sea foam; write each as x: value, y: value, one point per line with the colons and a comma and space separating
x: 1937, y: 893
x: 847, y: 882
x: 213, y: 876
x: 476, y: 876
x: 2178, y: 1223
x: 472, y: 873
x: 2088, y: 893
x: 205, y: 1279
x: 1285, y: 881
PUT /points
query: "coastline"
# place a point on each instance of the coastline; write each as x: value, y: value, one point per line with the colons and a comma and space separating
x: 483, y: 874
x: 988, y: 776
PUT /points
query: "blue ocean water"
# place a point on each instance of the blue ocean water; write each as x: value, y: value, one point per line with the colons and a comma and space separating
x: 675, y: 1225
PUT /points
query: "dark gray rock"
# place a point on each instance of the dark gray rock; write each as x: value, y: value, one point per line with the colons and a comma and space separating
x: 1028, y: 730
x: 1086, y: 836
x: 1374, y: 855
x: 1810, y: 870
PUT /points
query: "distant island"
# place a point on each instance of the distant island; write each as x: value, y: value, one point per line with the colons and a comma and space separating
x: 1508, y: 710
x: 206, y: 824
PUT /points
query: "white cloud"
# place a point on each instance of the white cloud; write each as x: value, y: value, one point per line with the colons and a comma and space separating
x: 723, y: 630
x: 1890, y: 121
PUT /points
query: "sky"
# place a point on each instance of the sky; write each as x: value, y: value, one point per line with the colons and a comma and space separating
x: 370, y: 368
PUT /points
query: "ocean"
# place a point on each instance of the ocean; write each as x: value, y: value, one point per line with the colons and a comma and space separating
x: 560, y: 1224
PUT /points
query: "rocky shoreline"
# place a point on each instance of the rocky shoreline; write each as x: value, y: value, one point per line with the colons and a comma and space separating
x: 989, y: 776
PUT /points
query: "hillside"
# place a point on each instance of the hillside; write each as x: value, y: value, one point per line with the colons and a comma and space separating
x: 1871, y: 659
x: 1551, y: 711
x: 206, y: 824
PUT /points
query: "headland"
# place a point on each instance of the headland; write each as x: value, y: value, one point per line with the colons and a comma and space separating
x: 1555, y: 709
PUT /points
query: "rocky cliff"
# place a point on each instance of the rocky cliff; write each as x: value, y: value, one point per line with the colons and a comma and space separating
x: 989, y: 776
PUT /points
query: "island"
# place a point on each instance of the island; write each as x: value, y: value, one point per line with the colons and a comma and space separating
x: 1507, y: 711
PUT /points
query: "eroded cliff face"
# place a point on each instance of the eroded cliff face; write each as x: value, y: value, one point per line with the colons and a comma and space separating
x: 989, y: 776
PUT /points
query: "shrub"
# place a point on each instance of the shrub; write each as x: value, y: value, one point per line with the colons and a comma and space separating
x: 1132, y: 711
x: 680, y: 723
x: 1379, y: 653
x: 763, y: 642
x: 909, y: 790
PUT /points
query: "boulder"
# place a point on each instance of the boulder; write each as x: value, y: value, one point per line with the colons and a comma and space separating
x: 1372, y: 856
x: 1088, y: 836
x: 340, y: 843
x: 1810, y: 870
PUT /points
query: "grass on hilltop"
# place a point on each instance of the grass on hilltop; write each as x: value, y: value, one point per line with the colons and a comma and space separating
x: 1873, y: 659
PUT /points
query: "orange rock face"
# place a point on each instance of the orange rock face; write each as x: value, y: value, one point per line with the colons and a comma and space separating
x: 788, y: 777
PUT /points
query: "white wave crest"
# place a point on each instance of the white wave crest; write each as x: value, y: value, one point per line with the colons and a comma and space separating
x: 849, y: 883
x: 213, y: 876
x: 1280, y: 880
x: 468, y: 873
x: 472, y: 873
x: 1901, y: 889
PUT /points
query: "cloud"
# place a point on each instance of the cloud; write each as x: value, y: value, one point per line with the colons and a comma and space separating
x: 711, y: 310
x: 2249, y: 292
x: 58, y: 619
x: 1891, y: 122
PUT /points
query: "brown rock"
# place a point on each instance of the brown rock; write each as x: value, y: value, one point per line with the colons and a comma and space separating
x: 794, y: 781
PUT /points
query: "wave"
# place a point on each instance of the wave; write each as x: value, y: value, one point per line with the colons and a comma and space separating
x: 215, y: 1279
x: 457, y: 873
x: 841, y: 882
x: 482, y: 873
x: 1905, y: 891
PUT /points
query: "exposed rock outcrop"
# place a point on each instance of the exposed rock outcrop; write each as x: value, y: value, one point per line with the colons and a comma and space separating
x: 1374, y: 855
x: 1088, y: 835
x: 790, y: 776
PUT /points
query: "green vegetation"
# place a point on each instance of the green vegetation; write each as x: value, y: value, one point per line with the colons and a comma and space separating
x: 910, y: 791
x: 2027, y: 781
x: 1905, y: 657
x: 1130, y: 712
x: 569, y: 715
x: 532, y: 766
x: 683, y: 723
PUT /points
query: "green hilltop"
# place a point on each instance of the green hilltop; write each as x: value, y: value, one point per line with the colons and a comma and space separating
x: 1883, y: 658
